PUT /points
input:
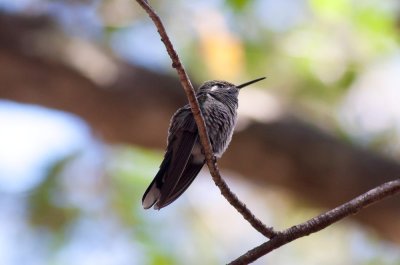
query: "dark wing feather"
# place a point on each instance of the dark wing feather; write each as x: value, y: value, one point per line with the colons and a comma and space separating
x: 182, y: 137
x: 189, y: 174
x: 181, y: 146
x: 152, y: 193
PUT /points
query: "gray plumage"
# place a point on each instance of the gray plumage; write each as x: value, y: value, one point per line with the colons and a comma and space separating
x: 184, y: 158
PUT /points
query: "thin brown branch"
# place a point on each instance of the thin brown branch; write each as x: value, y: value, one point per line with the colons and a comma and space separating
x: 277, y: 239
x: 210, y: 158
x: 321, y: 221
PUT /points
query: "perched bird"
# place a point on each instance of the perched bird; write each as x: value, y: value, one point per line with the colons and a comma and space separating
x: 184, y: 157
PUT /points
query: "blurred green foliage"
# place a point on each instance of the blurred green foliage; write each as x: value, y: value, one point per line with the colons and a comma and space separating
x: 314, y: 61
x: 46, y: 207
x: 237, y: 5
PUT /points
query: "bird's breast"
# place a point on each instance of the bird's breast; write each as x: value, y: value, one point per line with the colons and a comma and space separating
x: 220, y: 120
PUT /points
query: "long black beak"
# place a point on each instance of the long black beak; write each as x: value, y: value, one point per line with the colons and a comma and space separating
x: 250, y: 82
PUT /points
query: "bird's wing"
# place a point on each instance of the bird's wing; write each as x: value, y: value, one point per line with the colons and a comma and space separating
x: 189, y: 174
x: 153, y: 192
x: 170, y: 182
x: 182, y: 137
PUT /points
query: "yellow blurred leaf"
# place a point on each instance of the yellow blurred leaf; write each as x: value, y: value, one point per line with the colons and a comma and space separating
x: 222, y: 52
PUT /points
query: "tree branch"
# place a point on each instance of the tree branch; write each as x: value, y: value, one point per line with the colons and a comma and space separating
x: 277, y: 239
x: 210, y: 158
x: 321, y: 221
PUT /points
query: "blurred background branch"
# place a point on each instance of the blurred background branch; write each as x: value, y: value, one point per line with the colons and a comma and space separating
x: 287, y: 151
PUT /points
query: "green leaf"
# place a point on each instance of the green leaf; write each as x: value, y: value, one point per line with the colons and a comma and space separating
x: 237, y: 5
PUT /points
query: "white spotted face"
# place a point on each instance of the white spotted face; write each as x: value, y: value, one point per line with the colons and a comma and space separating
x: 213, y: 88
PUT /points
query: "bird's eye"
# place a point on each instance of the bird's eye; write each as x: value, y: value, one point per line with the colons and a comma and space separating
x: 214, y: 87
x: 217, y: 86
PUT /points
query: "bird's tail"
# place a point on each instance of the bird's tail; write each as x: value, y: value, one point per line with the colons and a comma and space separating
x: 157, y: 193
x: 151, y: 196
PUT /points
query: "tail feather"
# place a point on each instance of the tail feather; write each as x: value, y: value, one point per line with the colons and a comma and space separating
x: 151, y: 196
x: 189, y: 174
x: 153, y: 192
x: 178, y: 169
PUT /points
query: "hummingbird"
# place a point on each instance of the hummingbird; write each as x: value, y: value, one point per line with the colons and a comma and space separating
x: 184, y: 157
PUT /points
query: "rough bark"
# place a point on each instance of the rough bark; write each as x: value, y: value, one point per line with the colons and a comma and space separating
x: 136, y: 109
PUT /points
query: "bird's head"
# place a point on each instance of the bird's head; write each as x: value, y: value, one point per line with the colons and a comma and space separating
x: 223, y: 87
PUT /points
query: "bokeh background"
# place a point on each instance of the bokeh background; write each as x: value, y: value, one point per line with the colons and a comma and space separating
x: 86, y: 93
